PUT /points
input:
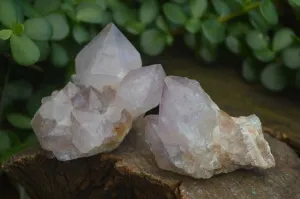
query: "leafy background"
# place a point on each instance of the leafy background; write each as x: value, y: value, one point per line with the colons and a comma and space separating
x: 39, y: 40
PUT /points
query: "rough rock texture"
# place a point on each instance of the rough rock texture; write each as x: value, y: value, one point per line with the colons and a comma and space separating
x: 192, y: 136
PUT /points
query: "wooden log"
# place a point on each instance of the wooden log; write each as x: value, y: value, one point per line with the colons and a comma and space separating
x: 131, y: 172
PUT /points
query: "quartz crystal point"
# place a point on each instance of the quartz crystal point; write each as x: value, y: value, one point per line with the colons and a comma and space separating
x: 192, y: 136
x: 106, y: 59
x: 95, y: 113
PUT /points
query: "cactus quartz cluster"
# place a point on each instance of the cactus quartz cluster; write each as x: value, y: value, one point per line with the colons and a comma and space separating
x: 109, y: 90
x: 190, y: 135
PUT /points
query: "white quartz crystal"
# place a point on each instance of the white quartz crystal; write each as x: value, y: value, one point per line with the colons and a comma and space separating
x: 192, y: 136
x: 106, y: 59
x: 144, y: 92
x: 95, y: 113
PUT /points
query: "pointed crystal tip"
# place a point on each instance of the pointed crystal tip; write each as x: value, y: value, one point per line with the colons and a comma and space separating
x: 106, y: 59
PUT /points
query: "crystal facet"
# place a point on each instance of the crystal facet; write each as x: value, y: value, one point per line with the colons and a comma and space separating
x: 144, y: 92
x: 106, y: 59
x: 74, y: 125
x: 192, y: 136
x: 95, y: 114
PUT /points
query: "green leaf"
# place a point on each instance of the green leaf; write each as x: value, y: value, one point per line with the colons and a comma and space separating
x: 69, y: 10
x: 90, y: 13
x: 107, y: 18
x: 113, y: 4
x: 207, y: 54
x: 18, y: 90
x: 213, y: 31
x: 5, y: 34
x: 257, y: 40
x: 31, y: 139
x: 193, y: 25
x: 38, y: 29
x: 269, y: 12
x: 14, y: 138
x: 46, y: 6
x: 273, y: 78
x: 283, y: 38
x: 101, y: 3
x: 24, y: 50
x: 153, y: 42
x: 80, y: 34
x: 18, y: 29
x: 169, y: 39
x: 44, y: 49
x: 295, y: 2
x: 250, y: 71
x: 258, y: 21
x: 233, y: 44
x: 5, y: 142
x: 135, y: 27
x: 8, y: 13
x: 93, y: 32
x: 59, y: 24
x: 198, y: 8
x: 174, y: 13
x: 179, y: 1
x: 291, y: 57
x: 221, y: 7
x: 264, y: 55
x: 59, y: 56
x: 161, y: 24
x: 123, y: 14
x: 29, y: 10
x: 148, y: 11
x: 190, y: 40
x: 19, y: 120
x: 238, y: 29
x: 20, y: 12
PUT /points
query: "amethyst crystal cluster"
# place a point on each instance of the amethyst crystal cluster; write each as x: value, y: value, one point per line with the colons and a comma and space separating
x: 110, y: 90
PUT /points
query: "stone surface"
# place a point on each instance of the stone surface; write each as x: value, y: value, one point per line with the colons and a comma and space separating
x: 192, y: 136
x: 106, y: 60
x: 111, y: 90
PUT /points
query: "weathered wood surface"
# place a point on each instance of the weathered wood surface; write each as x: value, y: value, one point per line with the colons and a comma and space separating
x: 128, y: 173
x: 132, y: 173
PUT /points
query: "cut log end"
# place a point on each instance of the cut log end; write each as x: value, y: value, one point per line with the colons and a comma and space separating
x: 131, y: 173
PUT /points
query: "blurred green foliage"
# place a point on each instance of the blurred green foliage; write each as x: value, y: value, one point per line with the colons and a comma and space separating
x: 45, y: 36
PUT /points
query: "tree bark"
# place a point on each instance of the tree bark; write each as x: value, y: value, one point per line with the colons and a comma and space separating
x: 131, y: 172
